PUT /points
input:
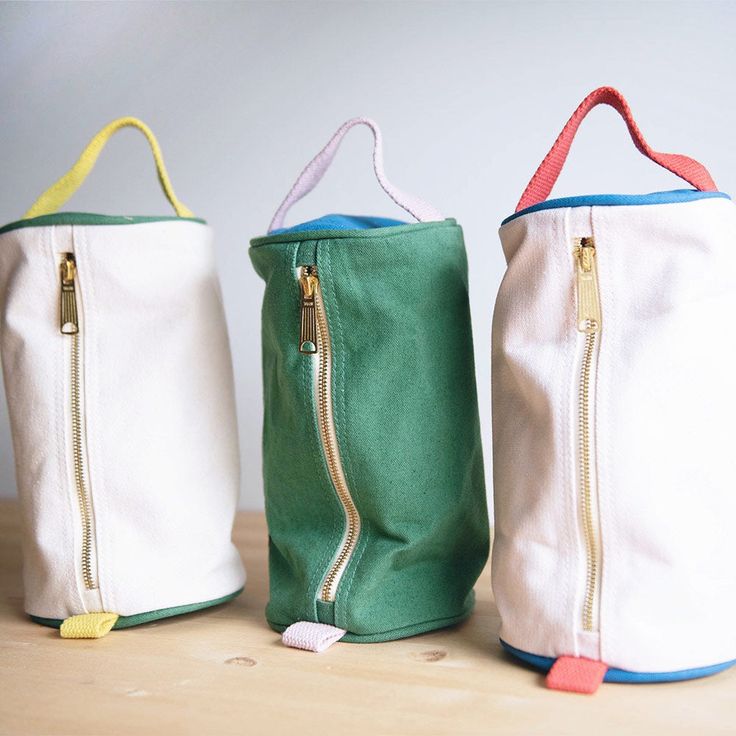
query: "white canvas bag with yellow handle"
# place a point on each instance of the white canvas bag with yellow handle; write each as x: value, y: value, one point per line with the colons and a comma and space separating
x: 119, y: 384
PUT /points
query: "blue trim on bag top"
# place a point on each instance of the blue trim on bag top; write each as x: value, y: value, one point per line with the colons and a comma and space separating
x: 614, y: 200
x: 614, y: 675
x: 340, y: 222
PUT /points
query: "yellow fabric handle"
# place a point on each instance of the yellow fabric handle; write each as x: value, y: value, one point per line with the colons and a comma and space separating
x: 88, y: 625
x: 58, y: 194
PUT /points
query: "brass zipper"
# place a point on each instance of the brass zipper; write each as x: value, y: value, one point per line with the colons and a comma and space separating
x: 308, y: 323
x: 589, y: 323
x: 69, y: 325
x: 314, y: 339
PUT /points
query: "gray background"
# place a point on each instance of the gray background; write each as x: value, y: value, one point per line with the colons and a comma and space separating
x: 470, y: 97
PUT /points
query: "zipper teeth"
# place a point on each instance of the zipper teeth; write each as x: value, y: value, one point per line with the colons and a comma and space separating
x: 332, y: 455
x: 586, y: 486
x: 85, y: 507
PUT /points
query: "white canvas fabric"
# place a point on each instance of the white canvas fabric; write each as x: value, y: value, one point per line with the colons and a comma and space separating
x: 142, y: 421
x: 662, y: 402
x: 162, y: 465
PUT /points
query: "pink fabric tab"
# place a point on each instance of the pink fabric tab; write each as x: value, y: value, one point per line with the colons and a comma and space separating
x: 576, y: 675
x: 317, y: 167
x: 311, y: 636
x: 546, y: 175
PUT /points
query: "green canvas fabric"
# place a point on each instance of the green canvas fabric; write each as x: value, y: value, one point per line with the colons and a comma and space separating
x: 406, y: 416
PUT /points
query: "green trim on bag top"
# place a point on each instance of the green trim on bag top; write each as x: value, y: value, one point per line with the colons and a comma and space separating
x: 125, y: 622
x: 378, y: 232
x: 88, y: 218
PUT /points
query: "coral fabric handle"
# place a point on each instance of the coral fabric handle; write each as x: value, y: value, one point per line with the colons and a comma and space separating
x: 317, y: 167
x: 546, y: 175
x: 58, y: 193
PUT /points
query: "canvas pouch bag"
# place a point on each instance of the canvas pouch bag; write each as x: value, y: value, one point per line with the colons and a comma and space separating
x: 119, y: 384
x: 373, y: 469
x: 613, y: 406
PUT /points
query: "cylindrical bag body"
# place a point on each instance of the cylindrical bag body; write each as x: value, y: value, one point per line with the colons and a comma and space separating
x: 613, y: 406
x: 374, y: 484
x: 119, y: 384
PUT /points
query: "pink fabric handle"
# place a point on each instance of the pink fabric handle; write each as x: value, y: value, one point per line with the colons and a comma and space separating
x: 549, y: 170
x: 317, y: 167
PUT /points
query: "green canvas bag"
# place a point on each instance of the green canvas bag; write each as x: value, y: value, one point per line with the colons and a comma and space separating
x: 375, y: 496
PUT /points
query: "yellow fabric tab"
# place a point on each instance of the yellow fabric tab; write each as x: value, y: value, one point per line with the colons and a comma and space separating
x: 58, y: 194
x: 88, y: 625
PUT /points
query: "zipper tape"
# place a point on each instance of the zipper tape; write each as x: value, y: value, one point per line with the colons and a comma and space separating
x: 314, y: 324
x: 69, y: 326
x: 589, y: 323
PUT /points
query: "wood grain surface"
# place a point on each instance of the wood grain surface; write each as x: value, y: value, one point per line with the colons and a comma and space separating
x: 223, y: 671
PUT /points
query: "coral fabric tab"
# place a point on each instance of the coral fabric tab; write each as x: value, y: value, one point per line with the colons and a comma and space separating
x: 311, y: 636
x: 576, y: 675
x: 88, y: 625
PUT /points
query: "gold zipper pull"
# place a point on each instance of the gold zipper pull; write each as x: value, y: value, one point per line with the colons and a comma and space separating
x: 588, y: 296
x: 69, y: 314
x: 308, y: 325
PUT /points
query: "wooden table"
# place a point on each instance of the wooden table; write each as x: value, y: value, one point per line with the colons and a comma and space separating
x: 224, y: 671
